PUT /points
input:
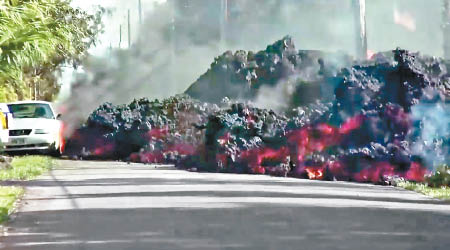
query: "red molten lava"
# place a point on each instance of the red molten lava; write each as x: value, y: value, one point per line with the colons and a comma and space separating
x: 370, y: 54
x: 351, y: 124
x: 301, y: 143
x: 157, y: 133
x: 416, y: 172
x: 105, y: 149
x: 376, y: 173
x: 147, y: 157
x: 315, y: 173
x: 256, y: 157
x: 317, y: 138
x: 62, y: 140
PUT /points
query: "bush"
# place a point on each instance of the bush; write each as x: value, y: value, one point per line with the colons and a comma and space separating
x: 440, y: 178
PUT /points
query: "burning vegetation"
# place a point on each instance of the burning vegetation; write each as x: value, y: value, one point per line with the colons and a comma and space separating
x: 358, y: 123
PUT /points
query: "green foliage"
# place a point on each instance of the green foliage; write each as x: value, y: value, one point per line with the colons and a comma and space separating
x: 37, y: 38
x: 8, y: 197
x: 440, y: 178
x: 27, y: 167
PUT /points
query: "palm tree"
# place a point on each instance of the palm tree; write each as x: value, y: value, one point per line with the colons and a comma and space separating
x: 36, y: 37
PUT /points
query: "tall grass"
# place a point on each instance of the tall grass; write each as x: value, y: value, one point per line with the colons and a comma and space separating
x: 27, y: 167
x: 8, y: 197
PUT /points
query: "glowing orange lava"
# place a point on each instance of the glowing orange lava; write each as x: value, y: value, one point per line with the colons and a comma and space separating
x: 315, y: 173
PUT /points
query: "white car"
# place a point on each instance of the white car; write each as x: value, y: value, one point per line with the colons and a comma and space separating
x: 32, y: 125
x: 4, y: 115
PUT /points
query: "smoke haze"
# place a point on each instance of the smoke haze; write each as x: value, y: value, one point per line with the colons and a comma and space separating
x: 179, y: 39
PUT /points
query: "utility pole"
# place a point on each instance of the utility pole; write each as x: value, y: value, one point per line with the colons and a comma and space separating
x: 110, y: 51
x: 223, y: 24
x: 446, y: 29
x: 359, y: 7
x: 129, y: 30
x: 120, y: 36
x: 140, y: 11
x: 173, y: 41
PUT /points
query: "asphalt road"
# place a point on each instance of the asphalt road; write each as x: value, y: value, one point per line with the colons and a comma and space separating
x: 110, y: 205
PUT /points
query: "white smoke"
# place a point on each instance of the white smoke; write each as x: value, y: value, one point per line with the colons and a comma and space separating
x: 434, y: 137
x: 278, y: 97
x: 405, y: 19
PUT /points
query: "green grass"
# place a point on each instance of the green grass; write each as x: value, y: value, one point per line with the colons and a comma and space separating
x: 8, y: 197
x: 23, y: 168
x: 442, y: 193
x: 27, y: 168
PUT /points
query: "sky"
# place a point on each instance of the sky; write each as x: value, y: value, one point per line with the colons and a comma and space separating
x: 118, y: 17
x: 423, y: 16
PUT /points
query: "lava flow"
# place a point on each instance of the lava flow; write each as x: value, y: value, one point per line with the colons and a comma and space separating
x: 365, y: 132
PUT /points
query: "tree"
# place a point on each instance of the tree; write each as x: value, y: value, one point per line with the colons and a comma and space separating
x: 37, y: 37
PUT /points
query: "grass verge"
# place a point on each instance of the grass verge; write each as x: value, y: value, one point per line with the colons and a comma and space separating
x: 8, y: 197
x: 23, y: 168
x: 27, y: 168
x: 442, y: 193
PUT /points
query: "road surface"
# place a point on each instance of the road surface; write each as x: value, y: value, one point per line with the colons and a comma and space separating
x: 111, y: 205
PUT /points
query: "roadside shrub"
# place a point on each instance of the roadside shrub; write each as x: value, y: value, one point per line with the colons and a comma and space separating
x: 441, y: 178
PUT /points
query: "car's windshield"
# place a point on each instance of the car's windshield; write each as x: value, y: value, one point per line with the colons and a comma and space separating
x: 31, y: 110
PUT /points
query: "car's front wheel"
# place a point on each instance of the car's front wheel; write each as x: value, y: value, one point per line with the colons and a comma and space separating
x: 54, y: 150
